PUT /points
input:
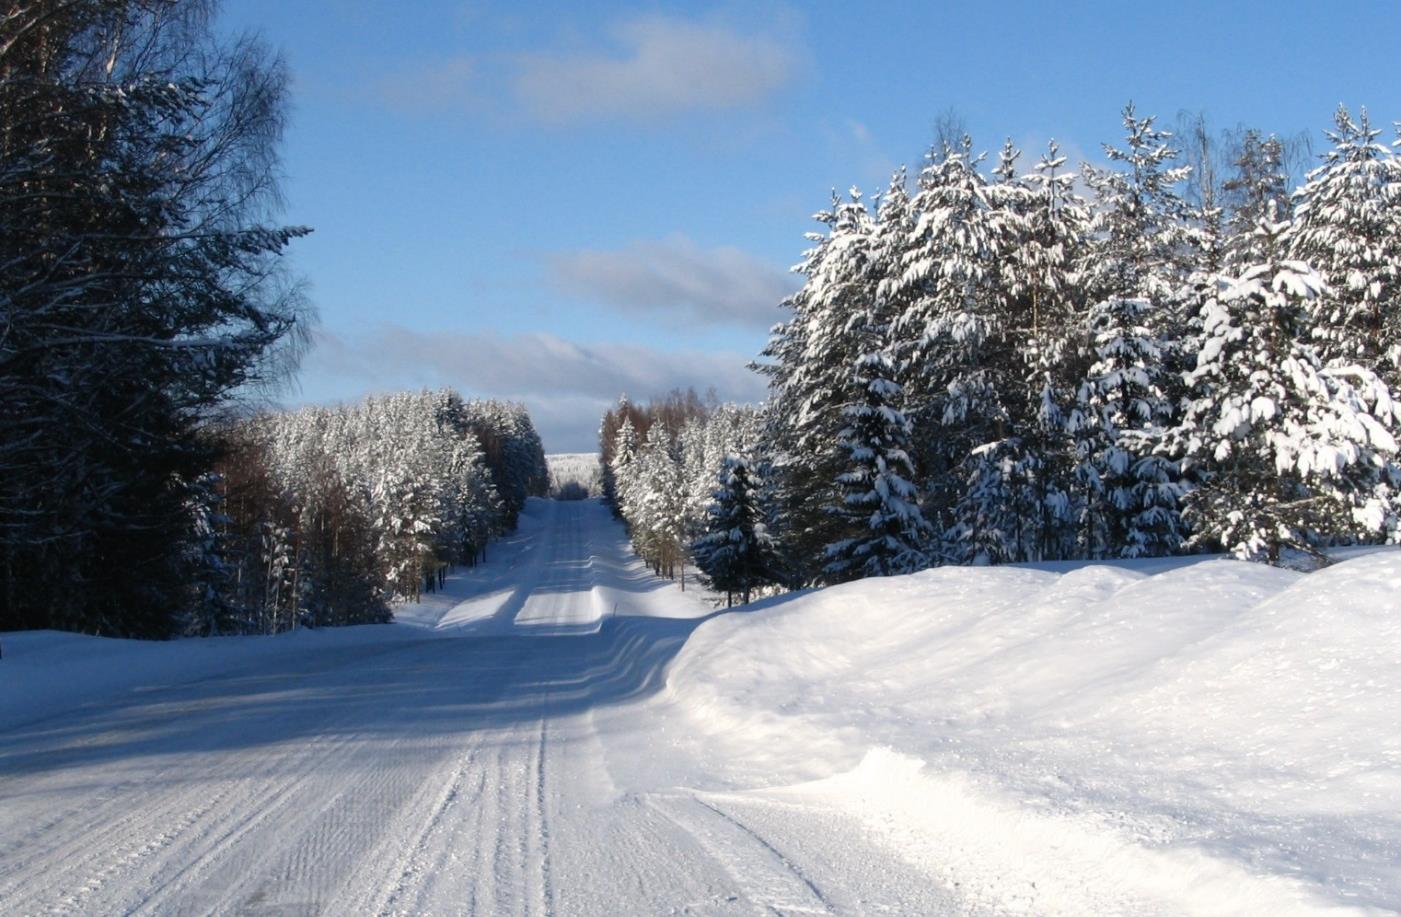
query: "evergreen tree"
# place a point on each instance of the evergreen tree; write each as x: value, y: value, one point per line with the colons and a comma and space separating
x: 1294, y: 454
x: 809, y: 354
x: 1132, y: 488
x: 951, y: 329
x: 621, y: 467
x: 1138, y: 278
x: 142, y: 289
x: 1046, y: 266
x: 879, y: 502
x: 736, y: 552
x: 1347, y: 225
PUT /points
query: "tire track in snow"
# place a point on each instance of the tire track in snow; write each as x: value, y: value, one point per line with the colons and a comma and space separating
x: 764, y: 874
x: 542, y: 826
x: 287, y: 841
x: 234, y: 819
x: 412, y: 865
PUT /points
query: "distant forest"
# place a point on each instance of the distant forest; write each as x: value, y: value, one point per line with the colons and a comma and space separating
x: 985, y: 365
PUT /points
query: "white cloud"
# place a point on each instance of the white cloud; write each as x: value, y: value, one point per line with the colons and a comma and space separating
x: 675, y: 279
x: 666, y: 66
x: 565, y: 384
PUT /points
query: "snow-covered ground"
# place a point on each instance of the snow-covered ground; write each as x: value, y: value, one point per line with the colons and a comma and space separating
x: 559, y: 732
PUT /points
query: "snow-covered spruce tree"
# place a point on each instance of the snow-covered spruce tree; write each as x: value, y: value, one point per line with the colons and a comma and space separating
x: 809, y: 356
x: 607, y: 441
x: 951, y: 326
x: 1294, y: 454
x: 1137, y: 276
x: 656, y: 505
x: 994, y: 514
x: 1015, y: 498
x: 736, y: 552
x: 1347, y: 225
x: 1131, y: 488
x: 621, y: 470
x: 1044, y: 271
x: 879, y: 500
x: 705, y: 443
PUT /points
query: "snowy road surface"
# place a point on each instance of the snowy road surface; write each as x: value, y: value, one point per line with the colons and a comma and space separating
x: 498, y: 755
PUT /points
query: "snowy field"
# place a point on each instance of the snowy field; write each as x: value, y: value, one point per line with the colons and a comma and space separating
x: 560, y: 732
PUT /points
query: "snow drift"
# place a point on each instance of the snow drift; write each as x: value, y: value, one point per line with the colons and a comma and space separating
x: 1216, y: 738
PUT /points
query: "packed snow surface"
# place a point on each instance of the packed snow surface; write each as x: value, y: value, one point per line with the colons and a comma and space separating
x: 560, y: 732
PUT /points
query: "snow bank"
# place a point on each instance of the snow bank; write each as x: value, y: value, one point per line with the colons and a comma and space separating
x: 1215, y: 738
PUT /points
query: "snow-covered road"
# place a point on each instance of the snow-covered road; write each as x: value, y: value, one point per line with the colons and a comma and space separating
x: 497, y: 755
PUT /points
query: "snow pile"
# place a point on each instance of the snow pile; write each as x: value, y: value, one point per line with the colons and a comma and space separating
x: 1216, y: 738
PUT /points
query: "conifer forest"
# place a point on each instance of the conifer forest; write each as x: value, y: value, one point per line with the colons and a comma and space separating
x: 1001, y: 360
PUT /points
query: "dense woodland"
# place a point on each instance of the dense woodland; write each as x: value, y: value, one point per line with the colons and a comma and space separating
x: 143, y: 307
x: 326, y: 515
x: 985, y: 366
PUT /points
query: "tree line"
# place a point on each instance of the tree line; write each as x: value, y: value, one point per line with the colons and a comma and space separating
x: 985, y: 366
x: 326, y: 515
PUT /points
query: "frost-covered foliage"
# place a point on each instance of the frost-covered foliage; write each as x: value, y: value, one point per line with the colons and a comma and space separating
x: 1347, y: 226
x: 1131, y: 489
x: 1293, y: 453
x: 325, y: 515
x: 1055, y: 361
x: 878, y: 498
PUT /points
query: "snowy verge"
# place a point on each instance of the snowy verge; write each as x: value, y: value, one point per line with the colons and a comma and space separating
x: 1220, y: 736
x: 44, y: 673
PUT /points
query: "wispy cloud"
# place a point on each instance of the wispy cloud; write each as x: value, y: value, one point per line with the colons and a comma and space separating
x: 676, y: 279
x: 566, y: 384
x: 651, y: 67
x: 662, y: 66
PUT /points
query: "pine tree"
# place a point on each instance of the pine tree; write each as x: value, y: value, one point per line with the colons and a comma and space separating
x: 1138, y: 278
x: 621, y: 466
x: 809, y: 354
x: 1122, y: 415
x: 1293, y: 454
x: 142, y: 290
x: 1046, y: 266
x: 950, y: 333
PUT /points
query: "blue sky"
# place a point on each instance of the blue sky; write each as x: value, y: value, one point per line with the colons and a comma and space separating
x: 557, y: 202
